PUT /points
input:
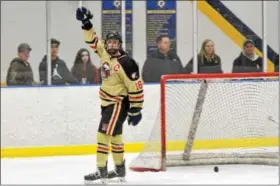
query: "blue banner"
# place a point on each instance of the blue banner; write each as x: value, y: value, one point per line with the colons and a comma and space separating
x: 161, y: 20
x: 111, y: 20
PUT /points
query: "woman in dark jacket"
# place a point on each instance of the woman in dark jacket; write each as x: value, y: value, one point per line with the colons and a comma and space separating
x: 84, y: 70
x: 207, y: 60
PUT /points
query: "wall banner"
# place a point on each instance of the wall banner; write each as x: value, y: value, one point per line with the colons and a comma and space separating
x: 111, y: 20
x: 161, y: 20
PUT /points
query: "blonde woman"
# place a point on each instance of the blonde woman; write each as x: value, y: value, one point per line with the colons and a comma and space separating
x: 207, y: 60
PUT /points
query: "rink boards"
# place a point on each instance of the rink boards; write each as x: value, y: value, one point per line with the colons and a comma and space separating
x: 137, y: 147
x: 63, y: 121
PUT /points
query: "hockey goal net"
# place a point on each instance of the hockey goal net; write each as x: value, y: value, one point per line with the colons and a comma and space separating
x: 208, y: 119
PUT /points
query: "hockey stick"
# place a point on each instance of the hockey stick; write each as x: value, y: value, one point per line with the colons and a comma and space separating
x: 195, y: 119
x: 80, y: 4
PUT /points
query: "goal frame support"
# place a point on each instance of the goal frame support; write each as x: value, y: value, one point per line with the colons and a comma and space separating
x: 202, y: 77
x: 195, y: 119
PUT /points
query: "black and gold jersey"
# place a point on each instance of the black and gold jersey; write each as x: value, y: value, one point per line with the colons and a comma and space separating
x: 120, y: 74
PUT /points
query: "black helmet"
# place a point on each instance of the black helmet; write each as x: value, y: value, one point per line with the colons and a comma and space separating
x: 113, y: 36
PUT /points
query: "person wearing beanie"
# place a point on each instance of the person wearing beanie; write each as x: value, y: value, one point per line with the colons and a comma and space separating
x: 248, y: 60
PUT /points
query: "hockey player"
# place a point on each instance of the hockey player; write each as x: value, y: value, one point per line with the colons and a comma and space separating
x: 121, y: 95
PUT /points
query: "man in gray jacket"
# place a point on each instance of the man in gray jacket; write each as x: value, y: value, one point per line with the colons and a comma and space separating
x: 20, y: 71
x: 60, y: 72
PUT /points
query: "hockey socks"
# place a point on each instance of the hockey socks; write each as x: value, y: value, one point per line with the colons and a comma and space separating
x: 117, y: 149
x: 103, y: 141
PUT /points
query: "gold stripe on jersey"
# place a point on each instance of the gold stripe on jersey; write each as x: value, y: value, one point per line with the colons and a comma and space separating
x: 93, y: 43
x: 105, y: 98
x: 110, y: 98
x: 136, y: 95
x: 136, y: 92
x: 139, y: 97
x: 136, y: 104
x: 136, y: 99
x: 114, y: 118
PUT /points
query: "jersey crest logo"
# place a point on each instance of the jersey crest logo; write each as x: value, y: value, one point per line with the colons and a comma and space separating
x: 105, y: 70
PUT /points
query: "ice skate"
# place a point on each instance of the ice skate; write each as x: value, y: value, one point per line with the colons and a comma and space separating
x: 101, y: 174
x: 119, y: 172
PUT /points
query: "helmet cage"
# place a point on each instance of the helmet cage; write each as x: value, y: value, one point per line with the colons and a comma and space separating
x: 113, y: 36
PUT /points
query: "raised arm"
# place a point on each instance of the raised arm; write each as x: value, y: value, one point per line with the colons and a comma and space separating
x: 90, y: 37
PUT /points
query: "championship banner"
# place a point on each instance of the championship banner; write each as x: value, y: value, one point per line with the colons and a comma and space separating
x: 111, y: 20
x: 161, y: 20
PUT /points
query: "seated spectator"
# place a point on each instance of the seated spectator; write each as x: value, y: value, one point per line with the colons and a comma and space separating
x: 60, y: 73
x: 207, y: 60
x: 20, y: 71
x: 276, y: 67
x: 248, y: 60
x: 83, y: 69
x: 162, y: 61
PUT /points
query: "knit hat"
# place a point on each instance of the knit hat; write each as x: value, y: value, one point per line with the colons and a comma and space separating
x: 248, y: 41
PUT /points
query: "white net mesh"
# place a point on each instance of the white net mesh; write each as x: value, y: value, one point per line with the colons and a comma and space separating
x: 238, y: 124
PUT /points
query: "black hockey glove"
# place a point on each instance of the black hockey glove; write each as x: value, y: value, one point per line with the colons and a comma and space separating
x: 134, y: 116
x: 84, y: 15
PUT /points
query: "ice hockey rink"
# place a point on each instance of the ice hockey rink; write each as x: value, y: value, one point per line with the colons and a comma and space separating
x: 71, y: 169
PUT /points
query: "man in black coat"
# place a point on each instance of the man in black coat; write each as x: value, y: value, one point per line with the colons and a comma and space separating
x: 162, y: 61
x: 248, y: 60
x: 60, y: 72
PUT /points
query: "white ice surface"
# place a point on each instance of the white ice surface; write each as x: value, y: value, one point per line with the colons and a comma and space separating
x: 71, y: 169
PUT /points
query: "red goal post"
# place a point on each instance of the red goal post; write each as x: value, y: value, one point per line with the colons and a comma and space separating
x: 183, y: 159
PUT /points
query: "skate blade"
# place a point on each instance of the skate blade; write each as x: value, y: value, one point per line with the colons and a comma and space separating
x: 117, y: 180
x: 104, y: 181
x: 122, y: 180
x: 96, y: 182
x: 86, y: 182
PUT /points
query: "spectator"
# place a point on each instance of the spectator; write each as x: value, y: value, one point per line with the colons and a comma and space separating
x: 83, y: 69
x: 162, y: 61
x: 60, y: 73
x: 248, y: 60
x: 20, y: 71
x: 207, y: 60
x: 276, y: 67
